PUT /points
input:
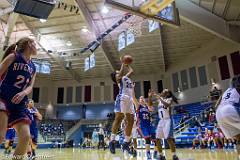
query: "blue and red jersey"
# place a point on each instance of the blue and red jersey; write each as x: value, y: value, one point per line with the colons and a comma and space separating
x: 143, y: 114
x: 17, y: 78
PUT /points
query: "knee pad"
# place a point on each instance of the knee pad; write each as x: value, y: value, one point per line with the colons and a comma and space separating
x: 148, y: 141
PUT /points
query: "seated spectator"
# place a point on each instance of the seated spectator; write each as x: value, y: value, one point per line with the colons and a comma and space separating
x: 210, y: 137
x: 211, y: 117
x: 219, y: 137
x: 199, y: 139
x: 195, y: 123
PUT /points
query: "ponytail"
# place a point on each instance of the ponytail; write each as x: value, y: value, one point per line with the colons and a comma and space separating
x: 10, y: 49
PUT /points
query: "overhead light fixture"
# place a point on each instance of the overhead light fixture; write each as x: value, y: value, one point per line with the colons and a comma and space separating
x: 31, y: 36
x: 213, y: 82
x: 178, y: 89
x: 84, y: 29
x: 43, y: 20
x: 69, y: 43
x: 105, y: 10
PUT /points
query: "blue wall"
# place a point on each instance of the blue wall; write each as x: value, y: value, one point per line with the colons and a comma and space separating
x: 93, y: 111
x: 69, y: 112
x: 99, y: 111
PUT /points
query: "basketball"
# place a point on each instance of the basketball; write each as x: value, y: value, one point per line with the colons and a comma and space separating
x: 127, y: 59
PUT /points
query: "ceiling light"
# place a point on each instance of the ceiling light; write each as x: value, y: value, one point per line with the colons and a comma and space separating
x: 84, y: 29
x: 105, y: 10
x: 178, y: 89
x: 43, y: 20
x: 31, y: 36
x: 69, y: 43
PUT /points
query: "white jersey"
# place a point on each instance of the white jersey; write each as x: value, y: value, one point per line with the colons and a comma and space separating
x: 164, y: 112
x: 230, y: 96
x: 126, y: 87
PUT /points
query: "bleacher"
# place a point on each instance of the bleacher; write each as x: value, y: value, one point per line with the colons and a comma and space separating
x: 186, y: 134
x: 186, y: 137
x: 193, y: 109
x: 52, y: 130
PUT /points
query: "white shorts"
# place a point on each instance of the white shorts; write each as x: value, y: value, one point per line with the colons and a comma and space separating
x: 164, y: 129
x: 124, y: 104
x: 135, y: 132
x: 228, y: 120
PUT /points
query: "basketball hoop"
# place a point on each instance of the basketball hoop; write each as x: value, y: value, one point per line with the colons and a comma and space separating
x: 135, y: 25
x: 136, y: 29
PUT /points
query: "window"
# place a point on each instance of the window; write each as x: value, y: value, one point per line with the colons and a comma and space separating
x: 193, y: 77
x: 125, y: 39
x: 35, y: 94
x: 160, y: 86
x: 69, y: 94
x: 167, y: 13
x: 130, y: 38
x: 223, y: 65
x: 89, y: 62
x: 146, y: 88
x: 79, y: 94
x: 43, y: 67
x: 92, y: 60
x: 121, y: 41
x: 60, y: 95
x: 202, y: 75
x: 37, y: 66
x: 152, y: 25
x: 175, y: 81
x: 184, y: 79
x: 235, y: 57
x: 87, y: 96
x: 138, y: 89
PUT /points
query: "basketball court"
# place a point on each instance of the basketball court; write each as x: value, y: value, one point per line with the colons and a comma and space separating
x: 91, y: 154
x: 190, y: 47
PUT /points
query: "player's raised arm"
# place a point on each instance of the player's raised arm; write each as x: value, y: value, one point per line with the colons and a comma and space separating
x: 166, y: 103
x: 6, y: 63
x: 130, y: 71
x: 38, y: 115
x: 150, y: 102
x: 121, y: 71
x: 135, y: 101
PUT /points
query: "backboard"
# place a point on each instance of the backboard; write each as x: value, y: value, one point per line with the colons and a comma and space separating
x: 164, y: 11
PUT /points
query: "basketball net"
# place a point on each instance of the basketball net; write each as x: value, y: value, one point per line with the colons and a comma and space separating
x: 135, y: 25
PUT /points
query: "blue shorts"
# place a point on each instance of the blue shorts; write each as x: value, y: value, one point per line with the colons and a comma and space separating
x: 10, y: 135
x: 16, y: 112
x: 34, y: 134
x: 147, y: 131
